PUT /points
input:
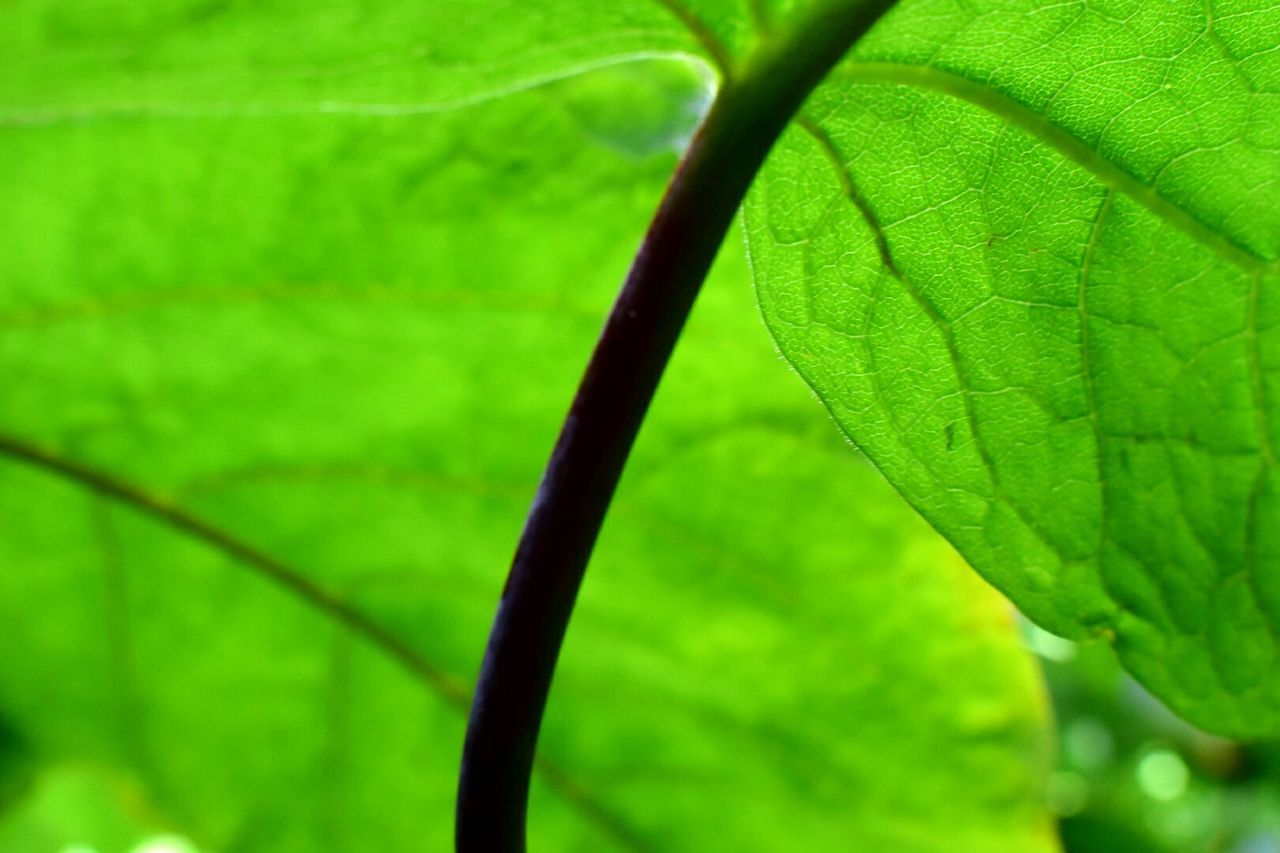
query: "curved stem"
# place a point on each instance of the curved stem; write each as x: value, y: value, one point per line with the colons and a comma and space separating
x: 748, y: 115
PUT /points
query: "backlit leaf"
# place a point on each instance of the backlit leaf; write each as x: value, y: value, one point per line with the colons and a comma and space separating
x: 267, y: 272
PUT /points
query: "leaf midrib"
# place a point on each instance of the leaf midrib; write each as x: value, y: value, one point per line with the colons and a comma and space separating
x: 1108, y: 172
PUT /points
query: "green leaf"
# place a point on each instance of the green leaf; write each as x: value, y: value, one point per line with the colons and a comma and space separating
x: 1027, y: 257
x: 281, y: 333
x: 70, y: 805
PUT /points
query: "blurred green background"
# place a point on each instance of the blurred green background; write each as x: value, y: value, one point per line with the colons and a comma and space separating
x: 1132, y: 776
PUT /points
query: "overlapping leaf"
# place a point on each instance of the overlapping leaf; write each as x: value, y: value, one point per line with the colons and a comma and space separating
x: 1026, y: 253
x: 254, y: 282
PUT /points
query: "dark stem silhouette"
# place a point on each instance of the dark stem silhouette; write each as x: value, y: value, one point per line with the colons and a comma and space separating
x: 750, y: 112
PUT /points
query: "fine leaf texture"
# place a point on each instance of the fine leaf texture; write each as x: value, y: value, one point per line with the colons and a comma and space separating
x: 345, y: 337
x: 1026, y: 254
x: 1025, y: 251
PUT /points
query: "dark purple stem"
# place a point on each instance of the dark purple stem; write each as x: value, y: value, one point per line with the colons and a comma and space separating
x: 748, y: 115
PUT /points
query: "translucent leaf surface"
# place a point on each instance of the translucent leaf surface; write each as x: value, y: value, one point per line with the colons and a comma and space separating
x: 344, y: 336
x: 1026, y: 253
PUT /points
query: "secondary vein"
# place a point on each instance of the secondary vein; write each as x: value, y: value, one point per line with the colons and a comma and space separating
x: 451, y: 690
x: 1021, y: 115
x: 715, y: 48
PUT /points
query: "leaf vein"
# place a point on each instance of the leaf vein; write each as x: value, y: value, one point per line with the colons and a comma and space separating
x: 1017, y: 113
x: 448, y: 688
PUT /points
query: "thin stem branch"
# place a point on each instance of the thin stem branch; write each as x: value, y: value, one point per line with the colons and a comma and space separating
x: 748, y: 115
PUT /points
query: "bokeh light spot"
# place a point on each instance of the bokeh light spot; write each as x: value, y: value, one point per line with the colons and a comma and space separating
x: 166, y: 844
x: 1088, y: 744
x: 1162, y: 774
